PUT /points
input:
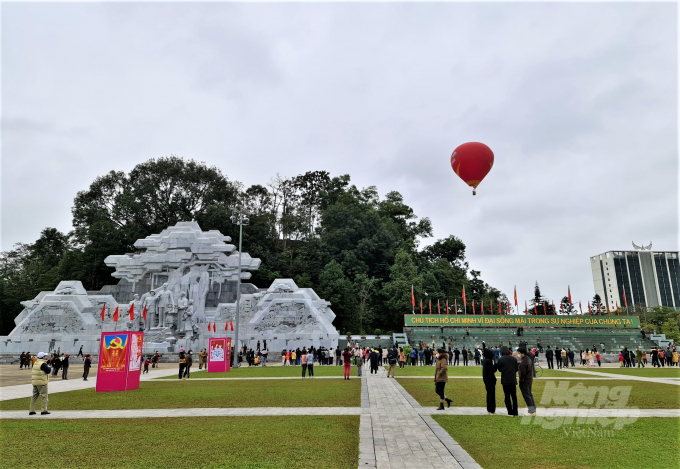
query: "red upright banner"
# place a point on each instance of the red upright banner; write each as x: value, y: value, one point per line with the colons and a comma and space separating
x: 219, y: 354
x: 120, y: 358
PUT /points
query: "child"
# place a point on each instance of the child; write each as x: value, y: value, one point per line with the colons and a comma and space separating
x: 359, y: 362
x: 147, y: 362
x: 598, y: 359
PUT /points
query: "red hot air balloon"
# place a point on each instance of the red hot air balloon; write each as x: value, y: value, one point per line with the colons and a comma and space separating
x: 472, y: 161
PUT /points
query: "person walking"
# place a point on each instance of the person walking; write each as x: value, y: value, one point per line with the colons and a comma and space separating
x: 508, y: 367
x: 526, y: 379
x: 347, y: 362
x: 489, y: 378
x: 441, y: 377
x: 80, y: 352
x: 402, y: 358
x: 597, y: 357
x: 182, y: 362
x: 359, y: 362
x: 374, y: 361
x: 22, y: 360
x: 64, y: 367
x: 310, y: 363
x: 188, y: 361
x: 638, y: 356
x: 338, y: 354
x: 87, y: 364
x: 40, y: 377
x: 391, y: 362
x: 549, y: 358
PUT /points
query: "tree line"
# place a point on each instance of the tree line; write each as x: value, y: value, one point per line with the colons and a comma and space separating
x: 357, y: 250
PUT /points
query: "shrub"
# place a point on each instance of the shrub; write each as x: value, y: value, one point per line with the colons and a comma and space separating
x: 377, y: 331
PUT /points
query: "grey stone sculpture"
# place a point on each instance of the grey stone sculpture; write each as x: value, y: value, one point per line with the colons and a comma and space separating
x: 185, y: 277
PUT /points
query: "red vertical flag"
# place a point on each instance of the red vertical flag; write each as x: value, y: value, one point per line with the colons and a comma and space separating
x: 144, y: 313
x: 464, y: 299
x: 226, y: 326
x: 214, y: 327
x: 569, y: 292
x: 439, y: 311
x: 526, y: 309
x: 590, y: 311
x: 617, y: 309
x: 455, y: 306
x: 103, y: 312
x: 482, y: 305
x: 132, y: 312
x: 429, y: 305
x: 544, y: 312
x: 421, y: 306
x: 608, y: 312
x: 515, y: 295
x: 508, y: 311
x: 499, y: 309
x: 473, y: 307
x: 579, y: 306
x: 413, y: 298
x: 447, y: 307
x: 231, y: 324
x: 209, y: 326
x: 115, y: 315
x: 625, y: 302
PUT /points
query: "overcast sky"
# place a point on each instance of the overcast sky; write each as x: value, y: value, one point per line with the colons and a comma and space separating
x: 577, y: 101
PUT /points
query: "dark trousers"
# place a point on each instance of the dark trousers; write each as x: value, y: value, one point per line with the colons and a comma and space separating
x: 490, y: 397
x: 304, y: 369
x: 86, y: 372
x: 64, y: 373
x: 456, y: 361
x: 310, y: 369
x: 559, y: 362
x: 465, y: 360
x: 439, y: 389
x: 181, y: 370
x: 572, y: 362
x: 525, y: 388
x: 510, y: 391
x: 550, y: 364
x: 187, y: 371
x: 413, y: 361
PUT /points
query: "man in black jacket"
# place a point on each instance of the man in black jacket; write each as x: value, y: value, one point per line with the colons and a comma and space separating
x: 456, y: 354
x: 507, y: 365
x: 87, y: 364
x: 570, y: 354
x: 489, y: 378
x: 392, y: 356
x: 526, y: 379
x: 558, y: 358
x: 549, y: 358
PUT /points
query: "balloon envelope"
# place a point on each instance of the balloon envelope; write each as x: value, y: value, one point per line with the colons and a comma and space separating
x: 472, y: 161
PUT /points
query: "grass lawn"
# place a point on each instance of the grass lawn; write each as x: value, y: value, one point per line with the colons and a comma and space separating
x: 647, y: 372
x: 471, y: 393
x: 467, y: 371
x: 269, y: 372
x: 187, y: 394
x: 225, y: 442
x: 505, y: 443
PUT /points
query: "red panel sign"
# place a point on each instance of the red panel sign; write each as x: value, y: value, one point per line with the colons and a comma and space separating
x: 119, y: 364
x: 219, y: 354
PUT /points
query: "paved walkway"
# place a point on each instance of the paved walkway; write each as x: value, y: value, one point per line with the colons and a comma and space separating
x: 60, y: 385
x: 398, y: 435
x: 627, y: 377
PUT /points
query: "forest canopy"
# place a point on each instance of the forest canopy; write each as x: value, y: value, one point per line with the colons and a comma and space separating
x: 355, y: 249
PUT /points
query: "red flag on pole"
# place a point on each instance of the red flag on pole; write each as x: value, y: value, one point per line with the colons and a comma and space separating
x: 429, y: 305
x: 625, y: 302
x: 508, y: 311
x: 500, y: 312
x: 515, y: 295
x: 214, y: 327
x: 617, y: 309
x: 132, y: 312
x: 579, y: 306
x: 544, y: 312
x: 447, y: 307
x: 231, y: 324
x: 569, y: 292
x: 226, y: 326
x: 482, y: 305
x: 464, y: 299
x: 103, y: 312
x: 473, y: 307
x: 421, y: 306
x: 209, y: 326
x: 455, y: 306
x: 526, y: 309
x: 535, y: 309
x: 439, y: 311
x: 562, y: 308
x: 608, y: 312
x: 590, y: 311
x: 115, y: 315
x: 413, y: 298
x: 144, y: 313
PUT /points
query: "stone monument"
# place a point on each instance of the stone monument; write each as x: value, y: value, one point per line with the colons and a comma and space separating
x: 185, y: 278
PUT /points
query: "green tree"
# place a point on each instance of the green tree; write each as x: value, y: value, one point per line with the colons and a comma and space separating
x: 397, y: 291
x: 336, y: 288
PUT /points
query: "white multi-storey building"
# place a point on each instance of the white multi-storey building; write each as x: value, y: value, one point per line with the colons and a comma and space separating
x: 643, y: 277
